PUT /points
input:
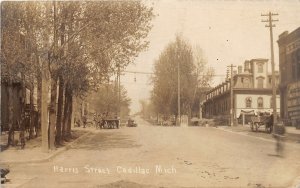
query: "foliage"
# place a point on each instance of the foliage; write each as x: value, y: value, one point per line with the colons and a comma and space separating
x: 192, y: 74
x: 82, y: 43
x: 147, y: 109
x: 104, y: 36
x: 105, y: 100
x: 100, y: 35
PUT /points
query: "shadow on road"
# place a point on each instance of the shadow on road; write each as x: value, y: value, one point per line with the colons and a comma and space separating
x: 105, y: 141
x: 275, y: 155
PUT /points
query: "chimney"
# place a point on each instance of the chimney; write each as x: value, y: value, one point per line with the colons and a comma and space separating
x: 247, y: 66
x: 240, y: 69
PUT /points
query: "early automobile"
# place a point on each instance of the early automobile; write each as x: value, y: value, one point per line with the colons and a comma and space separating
x: 131, y: 123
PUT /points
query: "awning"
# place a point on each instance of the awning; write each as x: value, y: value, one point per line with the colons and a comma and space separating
x: 247, y: 112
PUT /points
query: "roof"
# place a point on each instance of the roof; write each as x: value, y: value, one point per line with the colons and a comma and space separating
x: 259, y: 59
x: 286, y: 37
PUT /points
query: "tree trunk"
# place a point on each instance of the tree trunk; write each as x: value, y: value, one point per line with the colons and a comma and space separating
x: 10, y: 141
x: 22, y: 118
x: 69, y: 115
x: 52, y: 119
x: 39, y: 106
x: 66, y: 108
x: 44, y: 110
x: 61, y: 87
x: 31, y: 126
x: 53, y: 71
x: 59, y: 111
x: 39, y: 97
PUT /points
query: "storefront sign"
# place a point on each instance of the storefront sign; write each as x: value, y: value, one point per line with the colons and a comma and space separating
x: 293, y: 103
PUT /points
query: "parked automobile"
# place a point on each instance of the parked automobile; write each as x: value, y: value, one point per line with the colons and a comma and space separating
x: 131, y: 123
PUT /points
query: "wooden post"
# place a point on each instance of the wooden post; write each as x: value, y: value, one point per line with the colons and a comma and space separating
x: 231, y: 96
x: 200, y: 110
x: 243, y: 119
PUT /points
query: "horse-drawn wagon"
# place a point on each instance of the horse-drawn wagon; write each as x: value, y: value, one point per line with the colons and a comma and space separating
x: 264, y: 120
x: 108, y: 123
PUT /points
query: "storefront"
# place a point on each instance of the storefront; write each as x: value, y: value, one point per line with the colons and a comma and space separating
x: 293, y: 104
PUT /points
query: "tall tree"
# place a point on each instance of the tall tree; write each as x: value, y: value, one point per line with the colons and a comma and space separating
x: 178, y: 54
x: 85, y: 43
x: 19, y: 47
x: 104, y: 100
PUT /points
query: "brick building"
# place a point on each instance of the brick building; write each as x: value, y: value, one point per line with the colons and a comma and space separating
x: 252, y: 92
x: 289, y: 65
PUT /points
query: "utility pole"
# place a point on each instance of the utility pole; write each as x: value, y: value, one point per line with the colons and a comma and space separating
x: 119, y: 91
x: 271, y: 25
x: 178, y: 77
x: 231, y: 94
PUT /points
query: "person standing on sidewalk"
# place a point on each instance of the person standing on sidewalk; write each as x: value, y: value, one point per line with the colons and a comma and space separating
x: 279, y: 135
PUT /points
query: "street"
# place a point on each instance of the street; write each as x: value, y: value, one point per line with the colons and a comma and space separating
x: 150, y: 94
x: 155, y: 156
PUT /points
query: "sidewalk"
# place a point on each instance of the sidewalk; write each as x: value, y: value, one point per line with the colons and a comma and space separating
x: 33, y: 150
x: 292, y: 134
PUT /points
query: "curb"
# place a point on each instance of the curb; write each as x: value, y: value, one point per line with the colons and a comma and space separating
x: 260, y: 138
x: 51, y: 156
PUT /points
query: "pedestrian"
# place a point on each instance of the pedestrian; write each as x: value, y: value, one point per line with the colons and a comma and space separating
x: 77, y: 122
x: 95, y: 119
x: 279, y: 135
x: 84, y: 120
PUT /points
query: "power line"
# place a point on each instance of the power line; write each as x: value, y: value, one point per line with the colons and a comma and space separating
x: 140, y: 72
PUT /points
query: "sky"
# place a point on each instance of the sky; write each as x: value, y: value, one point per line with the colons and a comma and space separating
x: 228, y: 31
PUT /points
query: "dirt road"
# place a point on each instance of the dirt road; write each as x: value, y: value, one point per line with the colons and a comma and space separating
x: 154, y: 156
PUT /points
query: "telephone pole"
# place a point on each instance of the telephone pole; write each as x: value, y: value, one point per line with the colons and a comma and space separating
x: 231, y: 94
x: 270, y: 24
x: 119, y: 91
x: 178, y: 92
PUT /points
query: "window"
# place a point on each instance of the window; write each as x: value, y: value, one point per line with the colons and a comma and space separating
x: 260, y: 82
x: 260, y: 68
x: 247, y: 82
x: 270, y: 80
x: 248, y: 102
x: 260, y: 102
